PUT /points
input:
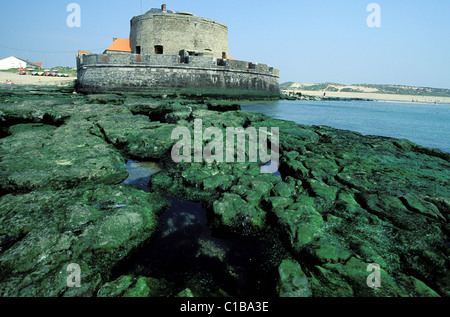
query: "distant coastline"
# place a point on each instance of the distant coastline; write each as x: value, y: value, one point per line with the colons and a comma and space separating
x: 388, y: 93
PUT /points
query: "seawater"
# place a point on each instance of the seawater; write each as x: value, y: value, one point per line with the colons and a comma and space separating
x: 424, y: 124
x: 185, y: 251
x: 139, y: 174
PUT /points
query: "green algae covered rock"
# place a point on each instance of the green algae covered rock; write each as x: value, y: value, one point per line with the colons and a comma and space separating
x: 344, y: 201
x: 320, y: 189
x: 343, y: 196
x: 136, y: 135
x: 329, y: 250
x: 237, y: 215
x: 106, y: 99
x: 116, y: 288
x: 285, y: 190
x: 185, y: 293
x: 301, y: 222
x: 325, y: 283
x: 292, y: 280
x: 44, y: 232
x: 41, y: 157
x: 130, y: 286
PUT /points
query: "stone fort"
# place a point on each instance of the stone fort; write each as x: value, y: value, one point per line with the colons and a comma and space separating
x: 171, y: 52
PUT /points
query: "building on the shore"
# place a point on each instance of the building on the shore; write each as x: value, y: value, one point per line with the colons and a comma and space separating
x: 119, y: 45
x: 16, y: 62
x: 80, y: 53
x: 171, y: 52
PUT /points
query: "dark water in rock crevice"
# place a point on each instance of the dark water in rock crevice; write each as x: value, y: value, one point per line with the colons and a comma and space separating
x: 139, y: 174
x: 186, y: 254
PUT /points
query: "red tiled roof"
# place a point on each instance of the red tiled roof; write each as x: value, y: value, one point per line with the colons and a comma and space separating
x: 79, y: 53
x: 120, y: 45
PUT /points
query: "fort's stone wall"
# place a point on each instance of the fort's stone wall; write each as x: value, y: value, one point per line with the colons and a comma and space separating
x: 175, y: 32
x: 165, y: 74
x: 176, y: 52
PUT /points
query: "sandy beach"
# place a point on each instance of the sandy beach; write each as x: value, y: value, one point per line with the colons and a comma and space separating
x: 366, y: 93
x: 380, y: 97
x: 34, y: 80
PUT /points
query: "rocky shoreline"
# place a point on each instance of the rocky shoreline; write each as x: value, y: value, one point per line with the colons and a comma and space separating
x: 343, y: 201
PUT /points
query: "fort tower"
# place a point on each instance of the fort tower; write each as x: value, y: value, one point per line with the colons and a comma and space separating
x: 173, y: 52
x: 167, y: 32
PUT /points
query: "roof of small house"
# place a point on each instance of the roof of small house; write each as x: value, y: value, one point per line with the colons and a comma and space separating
x: 81, y: 52
x: 120, y: 45
x: 25, y: 60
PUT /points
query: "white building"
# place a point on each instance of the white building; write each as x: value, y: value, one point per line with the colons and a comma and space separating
x: 15, y: 62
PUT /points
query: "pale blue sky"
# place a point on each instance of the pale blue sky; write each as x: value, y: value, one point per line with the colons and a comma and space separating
x: 308, y: 40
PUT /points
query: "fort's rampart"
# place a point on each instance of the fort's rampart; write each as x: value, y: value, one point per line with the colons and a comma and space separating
x: 168, y: 74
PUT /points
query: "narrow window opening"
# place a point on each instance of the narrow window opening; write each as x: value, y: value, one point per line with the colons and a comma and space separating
x: 159, y: 49
x: 138, y: 50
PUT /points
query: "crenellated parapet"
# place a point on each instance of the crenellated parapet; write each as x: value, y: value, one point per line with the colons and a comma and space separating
x: 175, y: 61
x: 174, y: 74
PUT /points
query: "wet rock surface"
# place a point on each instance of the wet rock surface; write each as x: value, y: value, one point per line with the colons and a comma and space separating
x: 41, y: 157
x: 343, y: 201
x: 95, y: 227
